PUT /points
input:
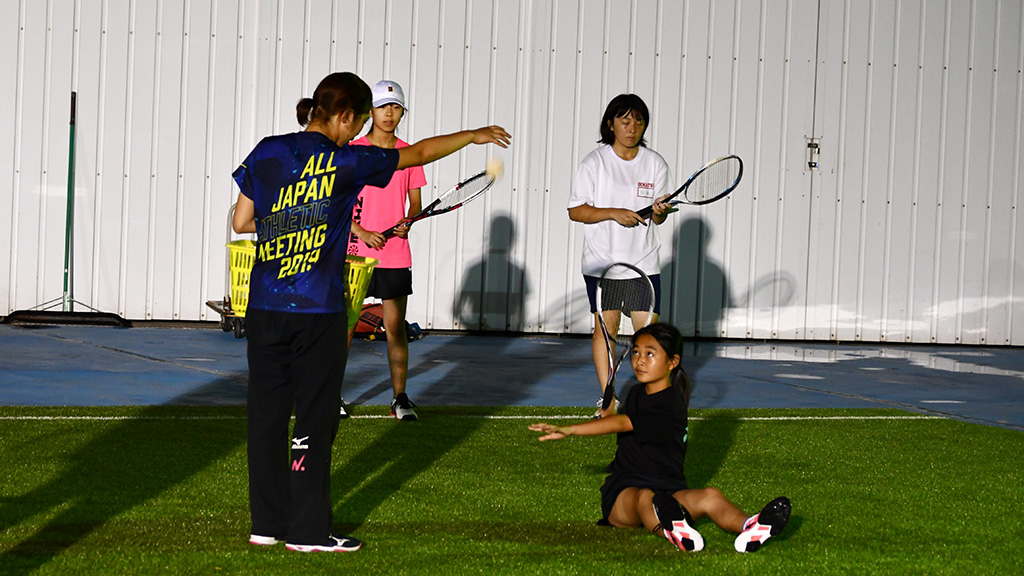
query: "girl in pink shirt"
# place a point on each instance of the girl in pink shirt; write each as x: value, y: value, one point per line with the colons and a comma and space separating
x: 376, y: 210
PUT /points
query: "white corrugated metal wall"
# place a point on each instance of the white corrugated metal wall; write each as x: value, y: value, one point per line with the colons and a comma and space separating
x: 907, y: 231
x: 158, y: 128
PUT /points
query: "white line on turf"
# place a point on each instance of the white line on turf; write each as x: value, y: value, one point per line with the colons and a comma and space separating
x: 112, y: 418
x: 476, y: 416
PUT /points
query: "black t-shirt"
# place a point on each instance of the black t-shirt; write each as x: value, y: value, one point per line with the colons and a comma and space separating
x: 656, y: 448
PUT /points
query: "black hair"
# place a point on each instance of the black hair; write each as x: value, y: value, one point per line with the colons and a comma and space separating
x: 335, y: 94
x: 623, y: 105
x: 671, y: 341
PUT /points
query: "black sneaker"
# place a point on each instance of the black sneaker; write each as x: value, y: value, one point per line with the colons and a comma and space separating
x: 676, y: 523
x: 769, y: 522
x: 403, y: 408
x: 336, y: 544
x: 344, y: 410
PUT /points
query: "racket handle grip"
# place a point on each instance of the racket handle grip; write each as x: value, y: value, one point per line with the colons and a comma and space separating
x: 390, y: 232
x: 609, y: 396
x: 649, y: 211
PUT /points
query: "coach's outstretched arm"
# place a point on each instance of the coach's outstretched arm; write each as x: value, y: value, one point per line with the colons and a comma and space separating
x: 429, y: 149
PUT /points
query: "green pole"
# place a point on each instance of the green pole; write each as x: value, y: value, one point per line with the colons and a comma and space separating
x: 69, y: 228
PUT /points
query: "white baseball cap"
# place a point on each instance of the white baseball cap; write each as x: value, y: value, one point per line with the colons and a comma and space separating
x: 388, y: 92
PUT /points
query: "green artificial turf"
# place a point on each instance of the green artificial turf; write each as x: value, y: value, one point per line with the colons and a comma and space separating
x: 162, y: 490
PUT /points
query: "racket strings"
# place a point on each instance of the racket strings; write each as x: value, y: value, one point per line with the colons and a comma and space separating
x: 714, y: 180
x: 623, y: 342
x: 464, y: 191
x: 626, y: 296
x: 626, y: 291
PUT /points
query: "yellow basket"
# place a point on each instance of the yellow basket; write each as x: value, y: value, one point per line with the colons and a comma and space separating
x: 358, y: 270
x: 241, y: 255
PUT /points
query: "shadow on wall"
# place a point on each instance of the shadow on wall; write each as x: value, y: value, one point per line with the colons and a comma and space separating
x: 495, y: 287
x: 700, y: 288
x: 702, y: 293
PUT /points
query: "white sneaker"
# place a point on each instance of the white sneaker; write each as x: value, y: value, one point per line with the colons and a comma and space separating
x: 344, y: 410
x: 403, y: 408
x: 258, y: 540
x: 338, y: 544
x: 675, y: 523
x: 600, y: 402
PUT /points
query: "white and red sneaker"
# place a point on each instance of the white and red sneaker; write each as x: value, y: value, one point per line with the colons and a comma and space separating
x: 676, y: 523
x: 769, y: 522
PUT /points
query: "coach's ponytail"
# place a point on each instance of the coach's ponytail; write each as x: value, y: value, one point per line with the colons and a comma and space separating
x: 335, y: 94
x: 303, y: 110
x: 671, y: 341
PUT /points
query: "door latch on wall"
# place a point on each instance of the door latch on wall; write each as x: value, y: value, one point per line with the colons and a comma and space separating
x: 812, y: 153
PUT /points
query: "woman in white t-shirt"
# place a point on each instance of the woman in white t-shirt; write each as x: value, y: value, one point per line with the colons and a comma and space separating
x: 615, y: 180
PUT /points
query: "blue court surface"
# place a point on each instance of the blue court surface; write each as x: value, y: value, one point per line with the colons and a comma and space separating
x: 156, y: 364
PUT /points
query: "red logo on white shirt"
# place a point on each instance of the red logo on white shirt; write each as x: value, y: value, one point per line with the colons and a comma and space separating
x: 645, y: 189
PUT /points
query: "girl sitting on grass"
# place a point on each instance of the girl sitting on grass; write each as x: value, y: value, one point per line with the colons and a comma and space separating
x: 646, y: 485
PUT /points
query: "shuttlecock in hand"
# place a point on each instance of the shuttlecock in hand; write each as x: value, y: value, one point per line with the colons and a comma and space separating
x: 495, y: 167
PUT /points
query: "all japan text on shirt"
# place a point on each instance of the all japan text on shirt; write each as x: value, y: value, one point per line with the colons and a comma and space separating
x: 297, y: 225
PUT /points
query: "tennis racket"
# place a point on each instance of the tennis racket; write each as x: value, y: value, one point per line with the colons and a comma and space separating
x: 714, y: 181
x: 456, y: 196
x: 622, y: 290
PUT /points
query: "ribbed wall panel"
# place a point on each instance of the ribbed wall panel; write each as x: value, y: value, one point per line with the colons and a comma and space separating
x: 908, y: 231
x: 923, y: 100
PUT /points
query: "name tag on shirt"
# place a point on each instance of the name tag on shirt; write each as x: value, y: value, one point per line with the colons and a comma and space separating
x: 645, y: 189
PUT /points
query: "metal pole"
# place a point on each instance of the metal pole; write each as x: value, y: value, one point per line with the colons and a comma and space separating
x: 69, y: 229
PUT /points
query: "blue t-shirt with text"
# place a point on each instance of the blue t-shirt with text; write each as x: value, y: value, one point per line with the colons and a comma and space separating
x: 303, y: 187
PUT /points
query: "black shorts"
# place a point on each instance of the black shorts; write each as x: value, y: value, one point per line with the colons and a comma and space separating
x: 614, y: 484
x: 390, y: 283
x: 592, y: 281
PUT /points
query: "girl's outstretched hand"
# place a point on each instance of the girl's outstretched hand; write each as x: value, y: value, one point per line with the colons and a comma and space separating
x: 550, y: 431
x: 492, y: 135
